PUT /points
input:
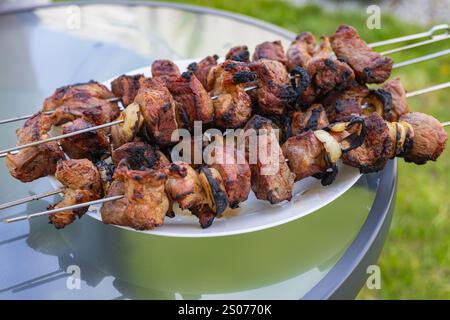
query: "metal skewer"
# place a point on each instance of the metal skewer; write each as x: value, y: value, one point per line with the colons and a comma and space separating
x: 75, y: 206
x: 433, y: 34
x: 39, y: 196
x: 4, y: 153
x: 85, y: 204
x: 30, y: 198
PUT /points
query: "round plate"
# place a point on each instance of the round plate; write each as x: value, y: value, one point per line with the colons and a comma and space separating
x: 308, y: 196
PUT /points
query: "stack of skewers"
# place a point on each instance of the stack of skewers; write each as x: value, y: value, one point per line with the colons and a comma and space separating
x: 316, y: 95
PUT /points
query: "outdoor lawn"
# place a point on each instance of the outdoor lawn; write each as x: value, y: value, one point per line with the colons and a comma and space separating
x: 415, y: 262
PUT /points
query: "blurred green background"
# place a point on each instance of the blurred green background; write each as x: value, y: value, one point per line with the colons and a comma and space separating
x: 415, y: 262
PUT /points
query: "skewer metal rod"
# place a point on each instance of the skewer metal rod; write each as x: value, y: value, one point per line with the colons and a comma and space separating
x: 75, y: 206
x: 22, y: 117
x: 429, y: 89
x: 30, y: 198
x: 426, y: 34
x: 421, y: 59
x: 62, y: 136
x: 85, y: 204
x: 433, y: 32
x: 415, y: 45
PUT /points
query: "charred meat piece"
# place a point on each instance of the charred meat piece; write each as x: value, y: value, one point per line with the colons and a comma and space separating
x: 79, y: 174
x: 145, y: 201
x: 106, y: 171
x: 205, y: 215
x: 301, y: 50
x: 93, y: 145
x: 429, y: 138
x: 165, y: 70
x: 344, y: 105
x: 326, y: 72
x: 234, y: 170
x: 76, y: 92
x: 126, y: 87
x: 188, y: 190
x: 79, y: 105
x: 369, y: 66
x: 233, y: 107
x: 271, y: 51
x: 126, y: 131
x: 35, y: 162
x: 274, y: 93
x: 373, y: 154
x: 305, y: 155
x: 271, y: 178
x: 157, y: 106
x: 399, y: 100
x: 71, y: 197
x: 239, y: 53
x: 139, y: 155
x: 81, y: 181
x: 192, y: 99
x: 202, y: 68
x: 312, y: 118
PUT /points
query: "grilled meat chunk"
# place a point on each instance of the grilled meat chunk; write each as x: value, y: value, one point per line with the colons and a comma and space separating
x: 202, y: 68
x: 157, y: 106
x: 234, y: 170
x: 233, y: 107
x: 192, y: 99
x: 373, y: 154
x: 326, y: 72
x: 305, y: 155
x: 344, y: 105
x: 79, y: 174
x: 271, y: 178
x: 106, y: 171
x: 270, y: 50
x: 238, y: 53
x: 301, y: 50
x: 145, y: 201
x: 399, y: 100
x: 312, y: 118
x: 369, y: 66
x: 165, y: 70
x: 78, y: 91
x: 274, y: 93
x: 188, y: 190
x: 139, y: 155
x: 92, y: 145
x: 126, y: 87
x: 35, y: 162
x: 79, y: 105
x: 81, y: 181
x: 429, y: 137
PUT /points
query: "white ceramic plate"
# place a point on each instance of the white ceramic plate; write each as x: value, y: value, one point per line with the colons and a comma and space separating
x: 308, y: 196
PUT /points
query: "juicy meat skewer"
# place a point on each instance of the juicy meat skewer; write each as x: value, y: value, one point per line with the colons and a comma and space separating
x: 369, y: 66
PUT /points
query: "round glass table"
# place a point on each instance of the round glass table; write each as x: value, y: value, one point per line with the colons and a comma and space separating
x: 320, y: 256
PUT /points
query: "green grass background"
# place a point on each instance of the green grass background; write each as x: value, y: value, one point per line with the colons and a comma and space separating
x: 415, y: 262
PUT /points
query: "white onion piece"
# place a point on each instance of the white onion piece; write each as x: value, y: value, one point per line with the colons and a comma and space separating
x: 330, y: 144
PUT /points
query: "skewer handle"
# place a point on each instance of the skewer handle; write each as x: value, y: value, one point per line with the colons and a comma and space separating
x: 30, y: 198
x: 75, y: 206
